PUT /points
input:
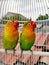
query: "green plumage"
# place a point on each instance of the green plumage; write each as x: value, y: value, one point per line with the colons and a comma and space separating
x: 9, y: 44
x: 26, y: 44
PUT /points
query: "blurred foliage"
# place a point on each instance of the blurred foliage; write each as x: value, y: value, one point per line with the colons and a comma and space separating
x: 16, y: 17
x: 42, y: 17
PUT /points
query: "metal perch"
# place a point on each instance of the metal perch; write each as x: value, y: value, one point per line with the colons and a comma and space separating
x: 39, y: 53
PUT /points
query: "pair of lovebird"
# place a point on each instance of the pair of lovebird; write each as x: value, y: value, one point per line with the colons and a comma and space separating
x: 11, y: 35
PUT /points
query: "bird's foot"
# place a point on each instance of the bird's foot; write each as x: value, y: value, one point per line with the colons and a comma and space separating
x: 13, y: 51
x: 31, y: 56
x: 5, y: 51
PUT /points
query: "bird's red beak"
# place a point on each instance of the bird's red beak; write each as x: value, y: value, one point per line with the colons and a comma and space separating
x: 33, y: 24
x: 16, y: 23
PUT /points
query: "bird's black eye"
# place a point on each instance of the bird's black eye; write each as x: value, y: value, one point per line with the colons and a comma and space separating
x: 11, y: 22
x: 28, y: 23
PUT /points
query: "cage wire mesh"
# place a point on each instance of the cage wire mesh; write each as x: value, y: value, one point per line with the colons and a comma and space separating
x: 31, y: 9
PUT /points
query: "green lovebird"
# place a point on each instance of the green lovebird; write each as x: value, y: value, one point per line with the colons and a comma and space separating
x: 10, y: 35
x: 27, y: 37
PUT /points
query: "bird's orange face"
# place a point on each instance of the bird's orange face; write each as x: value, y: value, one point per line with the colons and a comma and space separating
x: 28, y: 31
x: 31, y: 25
x: 10, y: 30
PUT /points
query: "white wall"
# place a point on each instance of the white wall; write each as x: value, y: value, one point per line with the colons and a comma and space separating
x: 29, y: 8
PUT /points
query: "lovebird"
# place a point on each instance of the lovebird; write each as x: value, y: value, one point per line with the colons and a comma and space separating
x: 27, y: 36
x: 10, y: 35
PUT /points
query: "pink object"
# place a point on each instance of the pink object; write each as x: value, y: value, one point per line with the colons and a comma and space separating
x: 43, y: 38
